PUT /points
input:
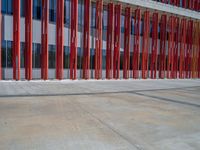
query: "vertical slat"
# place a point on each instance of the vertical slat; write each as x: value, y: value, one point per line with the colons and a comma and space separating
x: 154, y: 45
x: 109, y: 43
x: 16, y: 40
x: 127, y: 35
x: 163, y: 36
x: 59, y: 39
x: 145, y: 44
x: 117, y: 38
x: 73, y: 42
x: 28, y: 39
x: 44, y: 39
x: 183, y: 47
x: 176, y: 49
x: 0, y: 44
x: 86, y: 40
x: 136, y: 51
x: 98, y: 42
x: 170, y: 59
x: 199, y: 51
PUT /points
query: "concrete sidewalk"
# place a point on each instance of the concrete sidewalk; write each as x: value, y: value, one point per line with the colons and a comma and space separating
x: 100, y: 115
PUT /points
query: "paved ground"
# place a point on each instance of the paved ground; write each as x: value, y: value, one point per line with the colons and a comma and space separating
x: 100, y: 115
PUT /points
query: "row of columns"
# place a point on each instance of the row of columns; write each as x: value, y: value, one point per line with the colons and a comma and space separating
x: 183, y: 46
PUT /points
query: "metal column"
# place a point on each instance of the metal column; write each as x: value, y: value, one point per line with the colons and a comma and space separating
x: 16, y: 40
x: 98, y: 42
x: 0, y: 44
x: 59, y: 39
x: 44, y: 39
x: 117, y: 38
x: 145, y: 44
x: 28, y: 39
x: 86, y: 40
x: 183, y: 47
x: 136, y: 51
x: 74, y: 38
x: 127, y: 35
x: 154, y: 45
x: 109, y: 43
x: 163, y: 36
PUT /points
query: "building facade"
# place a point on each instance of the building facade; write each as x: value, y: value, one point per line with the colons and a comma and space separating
x: 99, y: 39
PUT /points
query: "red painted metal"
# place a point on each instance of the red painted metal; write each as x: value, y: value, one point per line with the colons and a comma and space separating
x: 117, y: 38
x: 184, y: 4
x: 154, y: 45
x: 145, y: 45
x: 136, y: 51
x: 0, y: 43
x: 98, y: 42
x: 127, y: 35
x: 59, y: 39
x: 176, y: 48
x: 199, y: 52
x: 16, y: 40
x: 189, y: 48
x: 171, y: 46
x: 163, y: 36
x: 183, y: 47
x: 44, y: 39
x: 28, y: 39
x: 86, y: 40
x: 74, y: 36
x: 109, y: 43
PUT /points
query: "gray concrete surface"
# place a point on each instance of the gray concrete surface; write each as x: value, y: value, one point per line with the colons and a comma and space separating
x: 100, y: 115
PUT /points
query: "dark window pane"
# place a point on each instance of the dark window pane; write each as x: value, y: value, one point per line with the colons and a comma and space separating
x: 66, y: 56
x: 9, y: 53
x: 37, y: 9
x: 37, y: 55
x: 3, y: 6
x: 52, y: 10
x: 10, y: 7
x: 22, y: 8
x: 22, y: 48
x: 3, y: 56
x: 52, y: 56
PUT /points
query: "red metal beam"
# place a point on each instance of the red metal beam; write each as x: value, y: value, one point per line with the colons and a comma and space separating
x: 176, y: 39
x: 109, y: 43
x: 189, y: 48
x: 44, y: 39
x: 98, y: 42
x: 199, y: 52
x: 28, y: 39
x: 16, y: 40
x: 74, y: 36
x: 183, y: 47
x: 163, y: 36
x: 127, y: 35
x: 86, y: 40
x: 117, y: 38
x: 145, y: 44
x: 0, y: 44
x: 171, y: 46
x: 154, y: 45
x: 136, y: 51
x: 59, y: 39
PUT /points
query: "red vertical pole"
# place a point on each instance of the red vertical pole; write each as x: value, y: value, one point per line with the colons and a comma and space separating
x: 59, y: 39
x: 189, y: 48
x: 109, y: 46
x: 98, y: 42
x: 154, y: 45
x: 28, y: 39
x: 136, y: 51
x: 117, y: 38
x: 163, y: 35
x: 145, y: 45
x: 44, y: 39
x: 16, y: 39
x: 170, y: 47
x: 176, y: 38
x: 184, y: 5
x: 183, y: 46
x: 199, y: 51
x: 74, y: 36
x: 127, y: 35
x: 86, y: 40
x: 0, y: 44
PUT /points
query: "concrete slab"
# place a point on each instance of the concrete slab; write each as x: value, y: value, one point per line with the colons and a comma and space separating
x: 100, y: 115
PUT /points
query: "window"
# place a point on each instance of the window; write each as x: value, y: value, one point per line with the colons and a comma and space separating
x: 9, y: 54
x: 4, y: 6
x: 66, y: 56
x: 22, y: 54
x: 67, y: 13
x: 52, y: 10
x: 22, y: 8
x: 52, y: 56
x: 10, y: 7
x: 37, y: 9
x: 3, y: 55
x: 36, y: 55
x: 92, y: 58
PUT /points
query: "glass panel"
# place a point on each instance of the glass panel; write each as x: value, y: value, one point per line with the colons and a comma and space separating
x: 37, y: 55
x: 10, y: 7
x: 52, y: 10
x: 3, y: 6
x: 22, y: 8
x: 37, y: 9
x: 66, y: 56
x: 9, y: 53
x: 22, y: 49
x: 3, y: 56
x: 52, y: 56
